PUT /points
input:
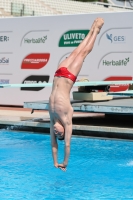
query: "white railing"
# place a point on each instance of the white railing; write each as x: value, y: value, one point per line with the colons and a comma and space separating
x: 111, y: 5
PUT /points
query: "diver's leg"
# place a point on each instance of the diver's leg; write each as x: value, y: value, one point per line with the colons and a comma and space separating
x: 76, y: 65
x: 81, y: 46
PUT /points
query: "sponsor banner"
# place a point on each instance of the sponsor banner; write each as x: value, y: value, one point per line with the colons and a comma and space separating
x: 35, y: 37
x: 72, y: 38
x: 4, y: 60
x: 6, y: 41
x: 37, y: 46
x: 35, y: 61
x: 116, y: 36
x: 5, y: 63
x: 4, y: 81
x: 35, y: 79
x: 116, y: 88
x: 35, y: 40
x: 4, y: 38
x: 116, y: 60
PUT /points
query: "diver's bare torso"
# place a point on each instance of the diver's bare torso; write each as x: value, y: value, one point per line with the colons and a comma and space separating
x: 60, y: 108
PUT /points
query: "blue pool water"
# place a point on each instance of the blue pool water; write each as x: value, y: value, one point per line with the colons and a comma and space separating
x: 98, y: 169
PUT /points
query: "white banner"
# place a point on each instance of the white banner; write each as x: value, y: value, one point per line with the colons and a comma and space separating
x: 32, y: 48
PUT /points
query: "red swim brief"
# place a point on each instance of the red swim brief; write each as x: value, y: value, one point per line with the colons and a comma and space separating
x: 63, y: 71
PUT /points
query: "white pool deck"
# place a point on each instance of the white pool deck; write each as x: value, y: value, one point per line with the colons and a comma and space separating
x: 23, y: 116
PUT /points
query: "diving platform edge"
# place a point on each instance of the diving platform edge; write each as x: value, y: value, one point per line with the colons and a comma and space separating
x: 118, y: 105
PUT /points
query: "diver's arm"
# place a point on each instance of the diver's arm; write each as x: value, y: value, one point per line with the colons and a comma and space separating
x: 68, y: 134
x: 54, y: 145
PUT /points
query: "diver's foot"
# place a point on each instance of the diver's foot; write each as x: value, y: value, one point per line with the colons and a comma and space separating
x: 99, y: 24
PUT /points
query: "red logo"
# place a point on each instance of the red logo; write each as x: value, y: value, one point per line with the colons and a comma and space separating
x: 35, y: 61
x: 116, y: 88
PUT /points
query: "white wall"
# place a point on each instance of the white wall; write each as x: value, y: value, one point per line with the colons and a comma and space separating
x: 111, y: 57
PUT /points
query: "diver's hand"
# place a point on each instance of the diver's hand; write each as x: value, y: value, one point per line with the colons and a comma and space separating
x: 62, y: 167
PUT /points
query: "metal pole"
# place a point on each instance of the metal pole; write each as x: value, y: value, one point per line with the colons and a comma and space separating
x: 21, y: 12
x: 11, y: 8
x: 23, y: 8
x: 125, y: 3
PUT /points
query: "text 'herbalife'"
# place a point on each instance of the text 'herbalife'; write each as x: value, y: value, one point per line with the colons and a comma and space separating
x: 116, y: 63
x: 37, y: 40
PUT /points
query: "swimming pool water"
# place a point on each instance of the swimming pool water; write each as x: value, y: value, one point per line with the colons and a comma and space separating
x: 98, y: 169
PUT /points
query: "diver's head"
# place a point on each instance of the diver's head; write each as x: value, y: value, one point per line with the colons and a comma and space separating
x: 59, y: 131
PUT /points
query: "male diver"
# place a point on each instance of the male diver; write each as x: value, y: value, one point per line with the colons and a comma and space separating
x: 60, y: 108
